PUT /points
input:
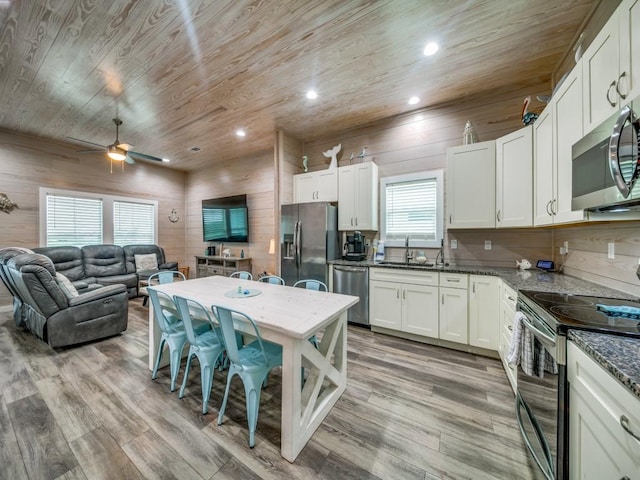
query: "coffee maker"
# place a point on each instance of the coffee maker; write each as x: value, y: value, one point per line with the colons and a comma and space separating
x: 355, y: 248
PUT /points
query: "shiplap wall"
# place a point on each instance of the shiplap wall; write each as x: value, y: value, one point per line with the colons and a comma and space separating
x: 28, y: 162
x: 254, y: 176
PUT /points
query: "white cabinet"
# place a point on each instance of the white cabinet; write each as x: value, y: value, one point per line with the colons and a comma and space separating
x: 484, y: 311
x: 454, y: 307
x: 599, y: 445
x: 555, y: 131
x: 358, y: 197
x: 321, y: 186
x: 509, y: 298
x: 610, y: 66
x: 514, y: 179
x: 471, y: 185
x: 404, y: 300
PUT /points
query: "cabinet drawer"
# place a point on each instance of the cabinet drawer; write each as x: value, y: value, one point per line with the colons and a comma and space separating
x: 509, y: 297
x: 414, y: 277
x: 454, y: 280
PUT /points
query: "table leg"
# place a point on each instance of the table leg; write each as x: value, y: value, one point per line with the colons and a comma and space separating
x: 305, y: 407
x: 154, y: 340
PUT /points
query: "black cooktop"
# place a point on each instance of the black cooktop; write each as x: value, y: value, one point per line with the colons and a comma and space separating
x: 564, y: 311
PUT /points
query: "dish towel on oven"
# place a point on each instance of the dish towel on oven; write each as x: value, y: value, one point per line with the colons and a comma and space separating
x: 527, y: 351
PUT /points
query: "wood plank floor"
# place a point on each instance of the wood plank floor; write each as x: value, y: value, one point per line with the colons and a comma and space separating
x: 411, y: 411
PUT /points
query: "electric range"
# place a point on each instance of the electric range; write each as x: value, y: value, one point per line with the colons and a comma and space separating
x: 562, y: 311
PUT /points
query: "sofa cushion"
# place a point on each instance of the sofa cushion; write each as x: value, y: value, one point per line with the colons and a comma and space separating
x: 145, y: 262
x: 103, y: 261
x: 67, y: 260
x: 66, y: 286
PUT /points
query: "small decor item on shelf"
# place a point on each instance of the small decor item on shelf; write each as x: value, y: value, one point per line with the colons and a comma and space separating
x: 241, y: 253
x: 469, y: 135
x: 305, y: 164
x: 333, y: 155
x: 523, y: 264
x: 226, y: 252
x: 528, y: 117
x: 7, y: 205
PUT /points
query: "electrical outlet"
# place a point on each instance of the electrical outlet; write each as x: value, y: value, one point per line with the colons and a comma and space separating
x: 566, y: 247
x: 454, y: 244
x: 487, y: 244
x: 611, y: 250
x: 563, y: 251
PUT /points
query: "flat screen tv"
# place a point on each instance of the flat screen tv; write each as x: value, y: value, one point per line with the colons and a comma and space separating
x: 225, y: 219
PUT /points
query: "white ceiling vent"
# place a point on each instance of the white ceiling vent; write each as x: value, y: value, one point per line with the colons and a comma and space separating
x: 194, y: 149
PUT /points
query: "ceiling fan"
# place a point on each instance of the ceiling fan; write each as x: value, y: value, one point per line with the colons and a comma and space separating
x: 118, y: 151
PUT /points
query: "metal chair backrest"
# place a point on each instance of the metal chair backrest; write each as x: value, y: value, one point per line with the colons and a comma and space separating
x: 311, y: 284
x: 165, y: 276
x: 164, y: 310
x: 274, y: 279
x: 190, y: 309
x: 242, y: 275
x: 225, y: 319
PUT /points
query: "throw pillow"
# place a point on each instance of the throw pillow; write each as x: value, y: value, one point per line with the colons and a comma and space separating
x: 146, y: 262
x: 66, y: 286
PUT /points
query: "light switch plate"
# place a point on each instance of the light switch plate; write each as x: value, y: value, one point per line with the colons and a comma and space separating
x: 611, y: 250
x: 487, y: 244
x: 454, y: 244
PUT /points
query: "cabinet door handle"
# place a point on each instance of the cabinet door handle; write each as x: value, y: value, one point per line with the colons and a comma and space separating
x: 498, y: 215
x: 450, y: 218
x: 352, y: 221
x: 443, y: 298
x: 613, y: 84
x: 404, y: 294
x: 356, y: 221
x: 554, y: 202
x: 510, y: 328
x: 473, y: 287
x: 624, y: 421
x: 548, y: 208
x: 397, y: 293
x: 620, y: 94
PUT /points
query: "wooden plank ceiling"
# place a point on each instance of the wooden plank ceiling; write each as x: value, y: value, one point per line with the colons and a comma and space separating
x: 183, y: 73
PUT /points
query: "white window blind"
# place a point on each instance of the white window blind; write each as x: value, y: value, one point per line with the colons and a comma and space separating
x: 412, y: 205
x: 74, y: 221
x: 411, y: 210
x: 214, y: 222
x: 133, y: 223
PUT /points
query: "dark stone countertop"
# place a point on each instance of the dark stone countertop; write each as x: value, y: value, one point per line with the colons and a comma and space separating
x: 619, y: 355
x: 532, y: 279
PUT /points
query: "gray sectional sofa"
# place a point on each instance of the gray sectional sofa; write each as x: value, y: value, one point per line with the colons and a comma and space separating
x: 88, y: 301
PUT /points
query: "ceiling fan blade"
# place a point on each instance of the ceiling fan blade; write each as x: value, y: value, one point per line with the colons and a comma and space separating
x: 143, y: 156
x: 91, y: 151
x: 129, y: 160
x: 125, y: 146
x: 86, y: 141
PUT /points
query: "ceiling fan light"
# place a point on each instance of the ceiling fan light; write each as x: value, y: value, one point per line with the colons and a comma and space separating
x: 116, y: 154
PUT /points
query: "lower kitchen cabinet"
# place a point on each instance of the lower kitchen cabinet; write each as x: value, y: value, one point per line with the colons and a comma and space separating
x: 508, y: 301
x: 484, y: 311
x: 404, y: 300
x: 454, y: 304
x: 599, y: 446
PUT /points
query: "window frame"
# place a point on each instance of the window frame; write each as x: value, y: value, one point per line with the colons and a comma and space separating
x: 438, y: 175
x: 107, y: 211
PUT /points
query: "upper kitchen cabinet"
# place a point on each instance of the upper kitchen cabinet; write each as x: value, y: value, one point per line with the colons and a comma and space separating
x: 321, y: 186
x: 555, y: 131
x: 514, y: 179
x: 358, y: 197
x: 611, y: 76
x: 471, y: 185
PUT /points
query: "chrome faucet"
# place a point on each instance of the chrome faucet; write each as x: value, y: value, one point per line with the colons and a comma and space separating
x: 407, y: 254
x: 440, y: 256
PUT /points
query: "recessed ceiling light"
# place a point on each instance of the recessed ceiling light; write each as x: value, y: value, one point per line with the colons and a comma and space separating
x: 430, y: 49
x: 312, y: 94
x: 413, y: 100
x: 241, y: 133
x: 165, y: 160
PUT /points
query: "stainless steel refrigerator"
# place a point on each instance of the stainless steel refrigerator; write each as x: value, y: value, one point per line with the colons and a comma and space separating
x: 308, y: 239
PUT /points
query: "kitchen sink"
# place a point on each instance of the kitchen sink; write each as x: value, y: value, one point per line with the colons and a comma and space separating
x: 404, y: 264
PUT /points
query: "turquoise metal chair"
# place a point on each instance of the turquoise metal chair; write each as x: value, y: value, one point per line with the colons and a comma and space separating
x: 276, y: 280
x: 173, y: 332
x: 242, y: 275
x: 208, y: 347
x: 311, y: 284
x: 165, y: 276
x: 252, y: 363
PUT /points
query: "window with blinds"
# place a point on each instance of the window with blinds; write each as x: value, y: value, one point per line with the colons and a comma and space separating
x: 73, y: 221
x: 69, y: 218
x: 133, y: 223
x: 412, y: 206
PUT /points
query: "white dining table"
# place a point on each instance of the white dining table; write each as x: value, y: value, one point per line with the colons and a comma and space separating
x: 289, y: 317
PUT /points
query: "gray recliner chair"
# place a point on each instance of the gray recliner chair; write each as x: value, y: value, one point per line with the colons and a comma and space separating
x: 7, y: 254
x: 59, y: 315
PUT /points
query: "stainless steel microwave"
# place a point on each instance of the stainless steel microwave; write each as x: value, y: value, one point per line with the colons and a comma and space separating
x: 606, y: 166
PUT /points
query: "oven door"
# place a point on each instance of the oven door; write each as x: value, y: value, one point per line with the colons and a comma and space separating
x: 537, y: 403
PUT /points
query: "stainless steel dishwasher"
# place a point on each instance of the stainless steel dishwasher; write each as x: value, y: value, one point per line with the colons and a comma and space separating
x: 354, y: 281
